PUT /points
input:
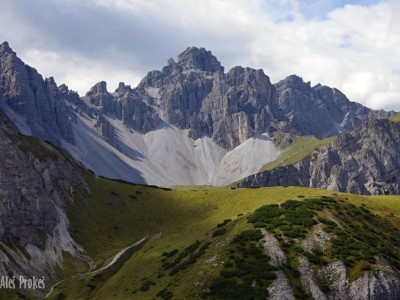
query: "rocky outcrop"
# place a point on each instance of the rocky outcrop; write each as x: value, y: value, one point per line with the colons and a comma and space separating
x: 329, y: 281
x: 366, y: 161
x: 36, y: 181
x: 378, y: 284
x: 106, y: 129
x: 318, y: 239
x: 125, y: 104
x: 308, y: 279
x: 375, y: 284
x: 35, y: 99
x: 280, y: 289
x: 272, y: 248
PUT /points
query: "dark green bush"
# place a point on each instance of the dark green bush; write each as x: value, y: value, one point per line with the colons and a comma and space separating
x: 248, y: 235
x: 171, y: 253
x: 146, y: 285
x: 226, y: 221
x: 165, y: 294
x: 219, y: 231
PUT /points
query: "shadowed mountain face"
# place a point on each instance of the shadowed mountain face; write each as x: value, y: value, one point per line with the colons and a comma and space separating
x: 366, y: 161
x: 36, y: 182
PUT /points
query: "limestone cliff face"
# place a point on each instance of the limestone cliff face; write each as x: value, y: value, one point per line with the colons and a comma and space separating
x: 36, y: 181
x: 38, y: 101
x: 320, y: 110
x: 124, y: 104
x: 366, y: 161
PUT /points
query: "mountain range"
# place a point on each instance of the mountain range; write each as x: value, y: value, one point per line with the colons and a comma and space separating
x: 189, y: 123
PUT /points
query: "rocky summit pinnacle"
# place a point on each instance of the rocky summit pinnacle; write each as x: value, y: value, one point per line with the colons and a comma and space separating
x: 5, y: 48
x: 98, y: 88
x: 200, y: 59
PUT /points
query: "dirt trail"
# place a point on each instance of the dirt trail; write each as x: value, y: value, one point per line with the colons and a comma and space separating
x: 111, y: 263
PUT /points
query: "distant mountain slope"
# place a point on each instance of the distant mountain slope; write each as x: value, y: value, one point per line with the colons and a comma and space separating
x: 151, y: 133
x: 365, y: 161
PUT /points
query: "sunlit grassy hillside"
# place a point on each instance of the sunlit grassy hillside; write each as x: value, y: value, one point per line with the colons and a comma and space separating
x: 117, y: 214
x: 298, y: 150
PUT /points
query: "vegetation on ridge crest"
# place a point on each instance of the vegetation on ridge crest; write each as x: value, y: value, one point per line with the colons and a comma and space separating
x: 302, y: 147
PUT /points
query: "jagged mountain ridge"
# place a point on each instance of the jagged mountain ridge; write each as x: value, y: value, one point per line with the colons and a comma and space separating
x: 365, y: 161
x: 151, y: 133
x: 230, y: 107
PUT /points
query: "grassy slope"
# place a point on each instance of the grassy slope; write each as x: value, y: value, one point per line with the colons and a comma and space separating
x: 395, y: 118
x: 182, y: 216
x: 301, y: 148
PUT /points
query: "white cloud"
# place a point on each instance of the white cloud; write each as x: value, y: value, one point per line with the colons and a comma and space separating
x: 355, y: 48
x: 79, y: 74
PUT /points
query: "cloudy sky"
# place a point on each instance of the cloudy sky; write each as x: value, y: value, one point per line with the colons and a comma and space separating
x: 353, y: 45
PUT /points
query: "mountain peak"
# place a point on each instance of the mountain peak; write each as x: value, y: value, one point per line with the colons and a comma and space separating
x: 122, y: 87
x: 294, y: 81
x: 98, y: 88
x: 5, y: 48
x: 199, y: 58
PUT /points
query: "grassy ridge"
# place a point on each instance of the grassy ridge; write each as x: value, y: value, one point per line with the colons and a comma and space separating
x: 395, y: 118
x: 118, y: 214
x: 298, y: 150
